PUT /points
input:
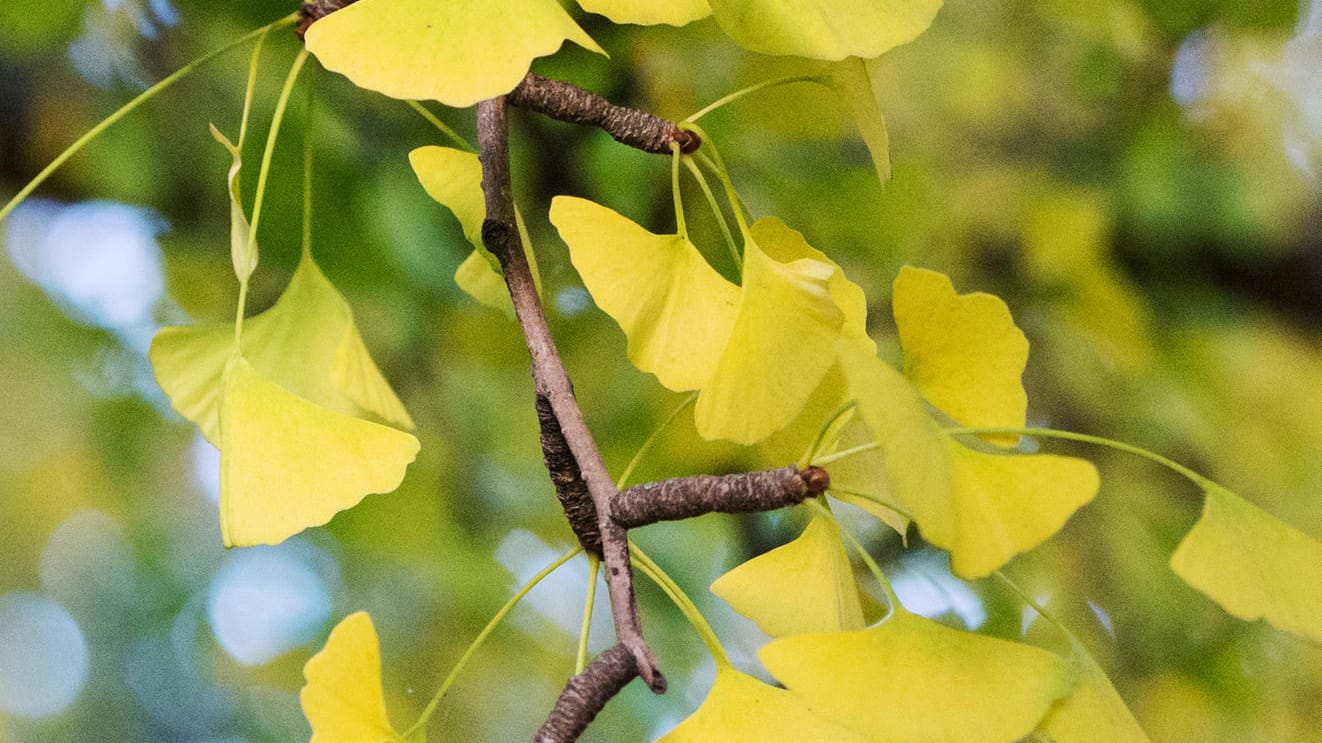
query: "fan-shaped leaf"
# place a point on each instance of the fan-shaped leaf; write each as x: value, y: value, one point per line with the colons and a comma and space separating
x: 457, y: 52
x: 1093, y: 711
x: 804, y: 586
x: 676, y: 311
x: 741, y: 709
x: 824, y: 29
x: 343, y: 699
x: 911, y: 679
x: 1254, y: 565
x: 306, y: 342
x: 962, y: 351
x: 287, y: 464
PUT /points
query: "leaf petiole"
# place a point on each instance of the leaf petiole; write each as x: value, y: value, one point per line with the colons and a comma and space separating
x: 482, y: 637
x: 841, y: 412
x: 128, y: 108
x: 731, y: 98
x: 652, y: 439
x: 276, y: 120
x: 682, y: 602
x: 594, y: 569
x: 716, y: 210
x: 441, y: 126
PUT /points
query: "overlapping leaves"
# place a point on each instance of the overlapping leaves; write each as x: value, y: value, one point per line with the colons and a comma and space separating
x: 465, y: 51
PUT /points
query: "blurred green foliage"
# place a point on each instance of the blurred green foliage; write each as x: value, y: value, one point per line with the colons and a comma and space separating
x: 1161, y: 252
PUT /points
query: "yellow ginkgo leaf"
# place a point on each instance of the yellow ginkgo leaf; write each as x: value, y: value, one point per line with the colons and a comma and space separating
x: 824, y: 29
x: 287, y: 464
x: 1093, y: 711
x: 851, y: 80
x: 307, y: 343
x: 1002, y: 505
x: 983, y: 508
x: 457, y: 52
x: 741, y: 709
x: 676, y: 311
x: 911, y: 679
x: 917, y: 462
x: 243, y: 253
x: 453, y: 178
x: 343, y: 699
x: 649, y: 12
x: 781, y: 347
x: 804, y: 586
x: 1254, y: 565
x: 963, y: 351
x: 786, y: 244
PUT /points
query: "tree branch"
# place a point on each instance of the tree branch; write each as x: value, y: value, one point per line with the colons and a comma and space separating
x: 686, y: 497
x: 552, y: 382
x: 568, y: 102
x: 570, y: 488
x: 586, y: 694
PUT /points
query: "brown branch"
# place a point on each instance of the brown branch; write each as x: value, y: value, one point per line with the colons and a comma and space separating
x: 568, y: 102
x: 313, y: 10
x: 570, y: 488
x: 586, y: 694
x: 686, y: 497
x: 552, y: 382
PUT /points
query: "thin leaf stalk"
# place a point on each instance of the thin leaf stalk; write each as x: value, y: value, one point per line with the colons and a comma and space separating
x: 129, y: 107
x: 681, y: 601
x: 482, y: 636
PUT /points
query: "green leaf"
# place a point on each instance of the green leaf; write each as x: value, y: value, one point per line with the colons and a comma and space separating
x: 673, y: 307
x: 824, y: 29
x: 649, y: 12
x: 343, y: 699
x: 457, y: 52
x: 287, y: 464
x: 963, y: 351
x: 1254, y: 565
x: 307, y: 343
x: 804, y: 586
x: 910, y: 679
x: 243, y: 253
x: 741, y: 709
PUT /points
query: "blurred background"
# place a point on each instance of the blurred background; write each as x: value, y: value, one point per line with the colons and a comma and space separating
x: 1138, y: 179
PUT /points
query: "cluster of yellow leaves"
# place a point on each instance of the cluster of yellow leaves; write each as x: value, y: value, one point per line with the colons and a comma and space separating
x: 464, y: 51
x: 757, y: 352
x: 904, y: 679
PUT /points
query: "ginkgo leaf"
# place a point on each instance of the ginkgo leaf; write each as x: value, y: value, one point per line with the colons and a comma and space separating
x: 287, y: 464
x: 343, y: 699
x: 306, y: 342
x: 911, y: 679
x: 1254, y: 565
x: 741, y: 709
x: 243, y: 252
x: 457, y: 52
x: 1093, y: 711
x: 649, y: 12
x: 781, y: 346
x: 676, y: 310
x: 1002, y: 505
x: 824, y: 29
x: 804, y: 586
x: 983, y: 508
x: 916, y: 459
x: 850, y: 79
x: 453, y: 178
x: 786, y: 244
x: 963, y: 351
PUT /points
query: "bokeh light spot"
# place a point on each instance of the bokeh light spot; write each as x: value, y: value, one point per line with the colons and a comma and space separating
x: 43, y: 656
